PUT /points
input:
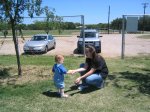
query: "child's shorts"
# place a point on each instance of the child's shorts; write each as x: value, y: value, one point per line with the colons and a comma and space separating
x: 60, y: 85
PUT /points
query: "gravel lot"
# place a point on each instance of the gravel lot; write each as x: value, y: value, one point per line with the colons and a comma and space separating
x: 111, y: 45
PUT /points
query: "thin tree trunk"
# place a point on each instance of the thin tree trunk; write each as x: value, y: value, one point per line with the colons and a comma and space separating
x: 16, y: 49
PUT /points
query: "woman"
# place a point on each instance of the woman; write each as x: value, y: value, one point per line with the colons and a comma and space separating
x: 93, y: 72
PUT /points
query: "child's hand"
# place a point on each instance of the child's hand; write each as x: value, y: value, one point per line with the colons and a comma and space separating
x: 71, y: 72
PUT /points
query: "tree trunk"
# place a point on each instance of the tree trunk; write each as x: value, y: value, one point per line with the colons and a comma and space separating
x: 16, y: 47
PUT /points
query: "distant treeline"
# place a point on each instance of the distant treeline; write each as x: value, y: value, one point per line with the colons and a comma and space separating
x: 143, y: 23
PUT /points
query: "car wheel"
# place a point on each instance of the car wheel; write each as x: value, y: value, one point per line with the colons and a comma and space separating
x: 46, y: 49
x: 54, y: 46
x: 99, y: 50
x: 79, y: 51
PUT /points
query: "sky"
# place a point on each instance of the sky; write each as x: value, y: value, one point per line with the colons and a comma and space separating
x: 96, y: 11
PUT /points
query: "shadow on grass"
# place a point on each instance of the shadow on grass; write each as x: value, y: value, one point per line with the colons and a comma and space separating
x: 6, y: 78
x: 89, y: 90
x: 4, y: 73
x: 111, y: 77
x: 84, y: 91
x: 51, y: 94
x: 142, y: 80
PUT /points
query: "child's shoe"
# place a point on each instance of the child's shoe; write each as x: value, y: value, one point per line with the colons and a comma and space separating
x: 64, y: 96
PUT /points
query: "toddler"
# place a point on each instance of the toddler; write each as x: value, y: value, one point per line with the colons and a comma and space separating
x: 59, y: 71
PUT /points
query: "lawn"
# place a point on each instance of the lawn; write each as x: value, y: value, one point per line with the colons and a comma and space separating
x: 127, y: 88
x: 53, y: 32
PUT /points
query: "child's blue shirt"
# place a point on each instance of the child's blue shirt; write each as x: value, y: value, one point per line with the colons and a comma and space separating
x: 59, y: 72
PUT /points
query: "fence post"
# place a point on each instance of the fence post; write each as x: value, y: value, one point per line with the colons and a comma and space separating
x: 82, y: 22
x: 123, y: 37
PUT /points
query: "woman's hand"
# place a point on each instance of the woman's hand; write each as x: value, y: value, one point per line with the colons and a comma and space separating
x: 77, y: 81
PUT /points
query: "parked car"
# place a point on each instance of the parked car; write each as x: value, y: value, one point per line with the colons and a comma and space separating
x: 91, y: 38
x: 40, y: 43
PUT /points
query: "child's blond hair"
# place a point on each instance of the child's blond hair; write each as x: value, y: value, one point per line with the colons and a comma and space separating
x: 58, y: 58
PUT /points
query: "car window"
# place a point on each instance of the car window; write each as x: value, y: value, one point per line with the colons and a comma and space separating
x: 50, y: 37
x: 39, y: 38
x: 89, y: 34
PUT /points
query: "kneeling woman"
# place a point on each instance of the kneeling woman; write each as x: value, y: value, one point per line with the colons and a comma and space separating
x: 93, y: 72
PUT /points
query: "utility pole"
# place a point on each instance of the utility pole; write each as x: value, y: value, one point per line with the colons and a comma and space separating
x: 108, y: 18
x: 144, y: 6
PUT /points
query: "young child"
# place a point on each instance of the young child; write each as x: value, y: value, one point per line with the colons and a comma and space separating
x: 59, y: 71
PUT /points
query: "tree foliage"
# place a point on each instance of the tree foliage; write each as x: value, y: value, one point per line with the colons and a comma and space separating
x: 49, y: 19
x: 12, y: 11
x: 116, y: 24
x: 144, y: 23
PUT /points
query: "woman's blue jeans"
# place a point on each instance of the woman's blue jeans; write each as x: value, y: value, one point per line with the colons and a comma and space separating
x: 94, y: 79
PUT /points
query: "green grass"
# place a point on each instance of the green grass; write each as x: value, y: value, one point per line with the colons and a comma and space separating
x: 53, y: 32
x: 127, y: 87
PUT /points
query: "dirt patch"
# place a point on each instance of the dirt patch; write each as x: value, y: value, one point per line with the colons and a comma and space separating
x: 111, y: 45
x: 30, y: 74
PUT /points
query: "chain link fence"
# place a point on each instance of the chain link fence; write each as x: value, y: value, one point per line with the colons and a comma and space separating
x: 134, y: 24
x: 66, y: 40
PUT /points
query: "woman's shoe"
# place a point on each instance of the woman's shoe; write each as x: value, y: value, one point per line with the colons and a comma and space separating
x: 82, y: 87
x: 102, y: 85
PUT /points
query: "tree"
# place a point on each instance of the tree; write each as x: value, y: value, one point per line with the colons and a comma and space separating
x: 117, y: 24
x: 4, y: 28
x: 5, y: 33
x: 49, y: 19
x: 146, y: 25
x: 12, y: 11
x: 58, y: 24
x: 19, y: 28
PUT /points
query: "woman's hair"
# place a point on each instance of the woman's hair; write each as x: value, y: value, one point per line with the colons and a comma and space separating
x: 58, y: 58
x: 92, y: 51
x: 95, y: 56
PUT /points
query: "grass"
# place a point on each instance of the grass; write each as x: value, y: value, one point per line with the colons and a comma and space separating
x: 53, y: 32
x: 127, y: 87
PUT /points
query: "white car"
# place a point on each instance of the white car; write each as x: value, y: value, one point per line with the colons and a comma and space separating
x: 92, y: 38
x: 40, y: 43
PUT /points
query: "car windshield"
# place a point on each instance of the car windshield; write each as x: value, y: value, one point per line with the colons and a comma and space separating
x: 39, y: 38
x: 89, y: 34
